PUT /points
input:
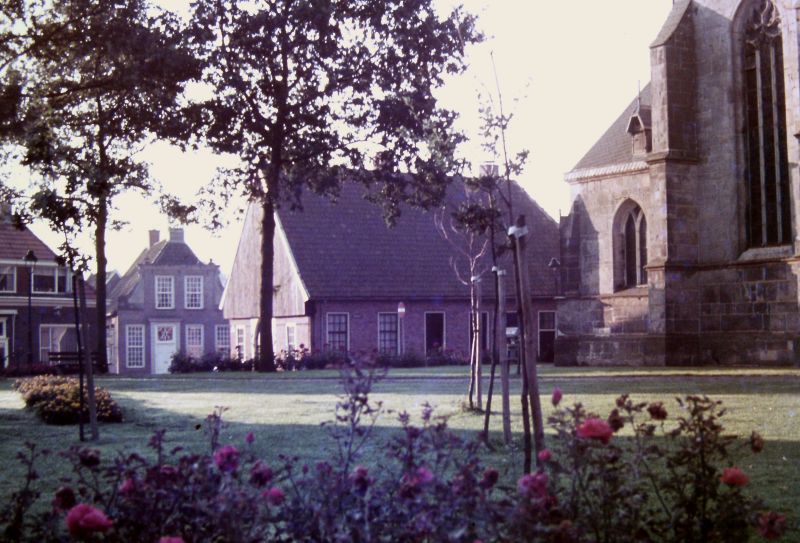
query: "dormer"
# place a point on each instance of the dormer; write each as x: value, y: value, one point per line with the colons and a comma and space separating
x: 639, y: 129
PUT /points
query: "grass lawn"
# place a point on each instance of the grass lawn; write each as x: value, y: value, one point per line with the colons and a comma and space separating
x: 285, y: 412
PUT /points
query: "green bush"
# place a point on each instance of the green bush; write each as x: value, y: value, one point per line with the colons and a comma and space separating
x: 56, y: 400
x: 183, y: 363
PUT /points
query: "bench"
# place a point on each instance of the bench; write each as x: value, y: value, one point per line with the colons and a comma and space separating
x: 68, y: 361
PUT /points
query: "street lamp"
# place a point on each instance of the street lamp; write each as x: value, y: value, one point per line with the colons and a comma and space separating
x: 555, y: 267
x: 30, y: 265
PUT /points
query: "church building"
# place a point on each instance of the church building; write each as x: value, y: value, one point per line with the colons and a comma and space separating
x: 682, y: 244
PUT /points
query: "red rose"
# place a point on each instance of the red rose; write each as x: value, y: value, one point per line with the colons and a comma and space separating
x: 657, y: 411
x: 274, y: 496
x: 595, y: 429
x: 64, y: 500
x: 771, y: 526
x: 733, y: 476
x: 260, y: 474
x: 249, y: 438
x: 490, y: 478
x: 83, y: 520
x: 545, y: 455
x: 533, y: 485
x: 556, y: 396
x: 227, y: 458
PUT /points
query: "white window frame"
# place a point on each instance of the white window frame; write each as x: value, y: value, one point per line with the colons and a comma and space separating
x: 201, y: 346
x: 397, y: 333
x: 170, y: 292
x: 189, y: 295
x: 241, y: 343
x: 291, y: 345
x: 11, y: 272
x: 131, y: 348
x: 328, y: 328
x: 222, y: 331
x: 53, y: 272
x: 44, y: 350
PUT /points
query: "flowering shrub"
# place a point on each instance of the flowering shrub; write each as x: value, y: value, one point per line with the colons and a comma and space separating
x: 56, y: 400
x: 661, y: 483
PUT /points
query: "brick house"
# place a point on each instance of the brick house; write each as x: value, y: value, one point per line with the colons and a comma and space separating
x: 682, y: 245
x: 167, y: 302
x: 51, y: 326
x: 341, y: 276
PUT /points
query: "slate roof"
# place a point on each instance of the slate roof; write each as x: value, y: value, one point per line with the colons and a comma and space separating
x: 614, y: 147
x: 344, y: 250
x: 163, y: 253
x: 15, y: 244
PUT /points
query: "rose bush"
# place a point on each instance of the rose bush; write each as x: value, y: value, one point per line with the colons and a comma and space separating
x: 657, y: 482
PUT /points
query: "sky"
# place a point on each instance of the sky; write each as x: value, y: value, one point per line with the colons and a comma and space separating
x: 566, y: 71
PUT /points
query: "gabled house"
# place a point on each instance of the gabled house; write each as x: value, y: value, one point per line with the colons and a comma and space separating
x: 34, y: 321
x: 345, y: 281
x: 682, y: 246
x: 167, y: 302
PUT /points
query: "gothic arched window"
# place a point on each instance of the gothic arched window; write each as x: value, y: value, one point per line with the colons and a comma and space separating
x: 630, y: 253
x: 768, y: 210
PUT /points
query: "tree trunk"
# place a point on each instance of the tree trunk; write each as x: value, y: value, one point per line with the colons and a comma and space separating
x: 265, y: 357
x: 100, y: 285
x: 472, y: 344
x: 87, y: 361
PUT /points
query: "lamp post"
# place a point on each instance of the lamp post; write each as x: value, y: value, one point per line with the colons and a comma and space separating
x: 30, y: 265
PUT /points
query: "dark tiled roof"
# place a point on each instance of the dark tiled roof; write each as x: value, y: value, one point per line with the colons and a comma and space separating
x: 345, y: 250
x: 15, y: 244
x: 614, y: 147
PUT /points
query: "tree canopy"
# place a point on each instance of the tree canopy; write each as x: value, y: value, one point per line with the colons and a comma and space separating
x: 313, y: 93
x: 86, y: 84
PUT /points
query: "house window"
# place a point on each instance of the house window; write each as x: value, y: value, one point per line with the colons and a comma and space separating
x: 134, y: 345
x: 193, y: 288
x: 3, y: 342
x: 547, y: 336
x: 338, y: 337
x: 7, y: 279
x: 434, y: 332
x: 194, y: 340
x: 630, y: 246
x: 222, y: 335
x: 165, y: 292
x: 291, y: 337
x: 56, y: 338
x: 240, y: 352
x: 50, y: 280
x: 768, y: 209
x: 388, y: 333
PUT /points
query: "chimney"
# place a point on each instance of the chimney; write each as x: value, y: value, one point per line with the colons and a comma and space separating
x: 154, y: 237
x: 176, y: 234
x: 5, y: 212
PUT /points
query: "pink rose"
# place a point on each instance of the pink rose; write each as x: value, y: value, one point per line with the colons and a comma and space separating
x: 533, y: 485
x: 260, y: 474
x: 545, y: 455
x: 771, y: 526
x: 249, y: 438
x: 274, y: 496
x: 734, y: 476
x: 556, y: 399
x: 83, y: 520
x: 595, y: 429
x: 127, y: 486
x: 227, y: 458
x: 64, y: 500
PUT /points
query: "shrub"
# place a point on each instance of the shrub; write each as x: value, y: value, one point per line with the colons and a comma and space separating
x: 26, y: 370
x: 214, y: 361
x: 426, y: 484
x: 56, y: 400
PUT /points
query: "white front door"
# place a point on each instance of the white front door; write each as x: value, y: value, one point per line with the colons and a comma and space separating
x: 165, y: 344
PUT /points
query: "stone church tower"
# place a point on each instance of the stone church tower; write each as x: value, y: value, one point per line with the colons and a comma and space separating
x: 682, y: 246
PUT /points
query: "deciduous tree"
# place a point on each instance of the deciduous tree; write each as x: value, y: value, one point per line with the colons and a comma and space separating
x: 89, y: 83
x: 308, y: 92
